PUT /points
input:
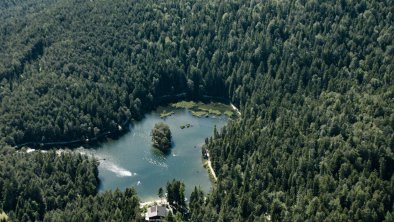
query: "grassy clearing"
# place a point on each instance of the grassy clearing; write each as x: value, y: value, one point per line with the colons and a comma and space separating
x: 210, y: 111
x: 215, y: 112
x: 229, y: 113
x: 217, y: 107
x: 184, y: 105
x: 200, y: 109
x: 166, y: 114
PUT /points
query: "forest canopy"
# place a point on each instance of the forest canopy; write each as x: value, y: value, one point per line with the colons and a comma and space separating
x: 314, y: 81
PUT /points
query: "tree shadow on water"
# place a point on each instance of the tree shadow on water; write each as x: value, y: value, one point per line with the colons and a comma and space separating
x: 162, y: 154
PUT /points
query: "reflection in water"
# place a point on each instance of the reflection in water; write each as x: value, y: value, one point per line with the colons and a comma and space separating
x: 131, y: 161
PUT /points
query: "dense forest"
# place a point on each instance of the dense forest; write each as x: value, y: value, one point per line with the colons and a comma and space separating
x: 314, y: 81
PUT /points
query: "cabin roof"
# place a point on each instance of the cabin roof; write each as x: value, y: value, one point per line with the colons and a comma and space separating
x: 156, y: 211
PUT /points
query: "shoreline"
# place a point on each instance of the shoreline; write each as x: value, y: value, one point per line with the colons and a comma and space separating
x: 122, y: 128
x: 160, y: 202
x: 211, y: 171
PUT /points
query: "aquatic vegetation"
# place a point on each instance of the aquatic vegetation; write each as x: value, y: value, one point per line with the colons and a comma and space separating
x: 200, y: 109
x: 199, y: 113
x: 166, y: 114
x: 229, y: 113
x: 184, y: 104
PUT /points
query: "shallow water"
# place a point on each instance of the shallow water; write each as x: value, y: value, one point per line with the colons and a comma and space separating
x: 131, y: 161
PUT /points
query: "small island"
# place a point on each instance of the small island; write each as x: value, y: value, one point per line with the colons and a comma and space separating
x: 161, y: 137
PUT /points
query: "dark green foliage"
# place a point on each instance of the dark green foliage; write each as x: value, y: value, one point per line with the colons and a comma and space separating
x: 107, y: 206
x: 176, y: 195
x: 59, y: 187
x: 313, y: 79
x: 161, y: 136
x: 35, y: 183
x: 196, y: 204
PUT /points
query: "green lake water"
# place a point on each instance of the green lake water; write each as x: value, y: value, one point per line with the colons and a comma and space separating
x: 131, y: 161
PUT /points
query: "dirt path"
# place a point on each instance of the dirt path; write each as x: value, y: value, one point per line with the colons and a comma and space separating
x: 211, y: 169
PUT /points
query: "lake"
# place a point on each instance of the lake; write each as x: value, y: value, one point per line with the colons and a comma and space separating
x: 131, y: 161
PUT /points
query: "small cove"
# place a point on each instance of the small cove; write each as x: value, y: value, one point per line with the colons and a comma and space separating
x: 131, y: 161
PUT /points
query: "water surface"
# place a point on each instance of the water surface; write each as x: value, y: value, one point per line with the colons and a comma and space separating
x: 131, y: 161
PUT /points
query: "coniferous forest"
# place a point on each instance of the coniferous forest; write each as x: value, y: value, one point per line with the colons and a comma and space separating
x: 314, y: 81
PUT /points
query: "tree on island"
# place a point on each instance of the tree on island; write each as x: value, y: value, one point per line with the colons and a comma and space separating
x: 161, y: 136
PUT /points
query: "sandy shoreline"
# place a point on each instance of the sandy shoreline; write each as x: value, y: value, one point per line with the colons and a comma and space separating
x: 162, y: 201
